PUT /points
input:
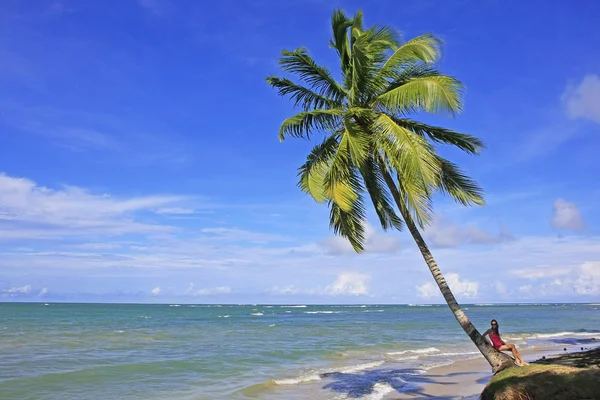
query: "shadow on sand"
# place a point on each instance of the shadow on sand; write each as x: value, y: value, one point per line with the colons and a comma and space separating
x: 356, y: 385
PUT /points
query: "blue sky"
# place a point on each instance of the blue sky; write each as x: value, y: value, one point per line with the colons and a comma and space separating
x: 140, y: 160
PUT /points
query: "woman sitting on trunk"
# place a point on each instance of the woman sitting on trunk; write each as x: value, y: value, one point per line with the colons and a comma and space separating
x: 499, y: 344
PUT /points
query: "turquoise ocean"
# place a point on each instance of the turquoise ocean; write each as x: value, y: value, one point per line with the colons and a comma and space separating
x: 195, y: 352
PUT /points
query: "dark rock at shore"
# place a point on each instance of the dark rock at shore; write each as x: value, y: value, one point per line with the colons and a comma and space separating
x: 582, y: 359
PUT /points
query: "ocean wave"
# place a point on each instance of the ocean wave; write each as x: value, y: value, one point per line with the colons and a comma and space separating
x: 373, y: 310
x: 380, y: 390
x: 484, y: 305
x: 323, y: 312
x: 316, y: 375
x: 257, y: 314
x: 299, y: 306
x: 427, y: 350
x: 420, y: 305
x: 224, y: 316
x: 300, y: 379
x: 579, y: 333
x: 174, y: 305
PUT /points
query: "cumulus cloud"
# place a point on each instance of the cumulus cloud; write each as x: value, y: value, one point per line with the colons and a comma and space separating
x: 16, y: 290
x: 582, y: 279
x: 461, y: 288
x: 352, y: 283
x: 583, y: 100
x: 375, y: 242
x: 43, y: 292
x: 31, y: 211
x: 567, y: 216
x: 443, y: 233
x: 155, y: 291
x: 213, y: 291
x: 586, y: 279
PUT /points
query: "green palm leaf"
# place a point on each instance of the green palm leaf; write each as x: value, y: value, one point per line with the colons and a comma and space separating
x: 299, y: 62
x: 424, y: 48
x: 302, y: 96
x: 305, y: 123
x: 459, y: 186
x: 349, y: 224
x: 467, y: 143
x: 312, y: 172
x: 434, y: 94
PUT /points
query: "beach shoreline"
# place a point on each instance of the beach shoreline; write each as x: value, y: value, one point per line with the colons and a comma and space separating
x: 466, y: 379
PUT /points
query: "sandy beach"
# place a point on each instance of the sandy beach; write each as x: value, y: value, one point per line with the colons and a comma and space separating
x: 466, y: 379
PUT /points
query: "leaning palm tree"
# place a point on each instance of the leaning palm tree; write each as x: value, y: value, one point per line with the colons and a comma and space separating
x: 371, y: 148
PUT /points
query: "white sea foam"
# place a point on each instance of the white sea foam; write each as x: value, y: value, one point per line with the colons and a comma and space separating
x: 553, y: 335
x: 300, y: 306
x: 272, y: 325
x: 420, y: 305
x: 224, y: 316
x: 380, y: 389
x: 427, y: 350
x: 438, y: 364
x: 257, y: 314
x: 373, y: 310
x: 174, y: 305
x: 316, y: 375
x: 484, y: 305
x: 323, y: 312
x: 300, y: 379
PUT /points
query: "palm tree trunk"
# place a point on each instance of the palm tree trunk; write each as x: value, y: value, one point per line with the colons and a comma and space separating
x: 497, y: 360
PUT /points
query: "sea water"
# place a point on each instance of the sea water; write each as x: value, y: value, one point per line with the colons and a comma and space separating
x: 196, y: 352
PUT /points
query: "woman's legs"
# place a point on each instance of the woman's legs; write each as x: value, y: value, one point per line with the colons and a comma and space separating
x: 514, y: 350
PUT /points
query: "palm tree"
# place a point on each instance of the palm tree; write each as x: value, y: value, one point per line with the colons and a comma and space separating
x: 371, y: 148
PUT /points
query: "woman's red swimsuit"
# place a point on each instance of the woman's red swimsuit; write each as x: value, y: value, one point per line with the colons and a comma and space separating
x: 496, y: 341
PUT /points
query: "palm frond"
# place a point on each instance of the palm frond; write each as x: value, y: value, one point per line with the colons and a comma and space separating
x: 299, y: 62
x: 459, y: 186
x: 339, y: 41
x: 408, y: 153
x: 380, y: 196
x: 312, y: 173
x: 302, y: 96
x: 349, y: 224
x: 341, y: 183
x: 434, y: 94
x: 358, y: 142
x: 305, y: 123
x: 424, y: 48
x: 467, y: 143
x: 369, y: 49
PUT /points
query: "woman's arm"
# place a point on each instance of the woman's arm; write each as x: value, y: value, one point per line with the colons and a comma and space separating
x: 487, y: 332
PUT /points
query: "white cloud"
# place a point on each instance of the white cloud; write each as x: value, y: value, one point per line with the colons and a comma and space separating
x: 289, y: 289
x: 586, y: 279
x: 30, y: 211
x: 235, y: 234
x: 583, y: 100
x: 175, y: 211
x: 375, y: 242
x: 460, y: 288
x: 542, y: 271
x: 443, y: 233
x: 155, y: 291
x: 213, y: 291
x: 43, y: 292
x: 526, y: 289
x: 22, y: 289
x: 352, y: 283
x: 567, y: 216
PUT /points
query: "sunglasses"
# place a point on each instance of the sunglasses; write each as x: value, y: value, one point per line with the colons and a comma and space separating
x: 494, y: 323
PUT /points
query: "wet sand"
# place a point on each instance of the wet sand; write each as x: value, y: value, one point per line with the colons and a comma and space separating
x: 466, y: 379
